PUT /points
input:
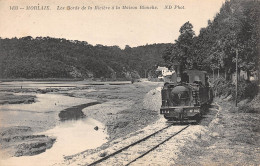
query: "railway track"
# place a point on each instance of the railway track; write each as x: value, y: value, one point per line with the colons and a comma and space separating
x: 129, y: 154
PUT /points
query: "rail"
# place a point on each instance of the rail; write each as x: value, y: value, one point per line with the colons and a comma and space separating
x: 138, y: 142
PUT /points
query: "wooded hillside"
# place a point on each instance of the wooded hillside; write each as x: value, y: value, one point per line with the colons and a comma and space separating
x: 235, y: 30
x: 45, y: 57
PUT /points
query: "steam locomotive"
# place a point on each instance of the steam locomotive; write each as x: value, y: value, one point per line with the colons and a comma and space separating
x: 186, y: 96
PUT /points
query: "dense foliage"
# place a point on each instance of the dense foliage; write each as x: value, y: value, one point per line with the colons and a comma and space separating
x: 235, y: 29
x: 246, y: 89
x: 45, y: 57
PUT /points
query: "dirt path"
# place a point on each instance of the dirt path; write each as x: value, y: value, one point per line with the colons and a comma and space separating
x: 232, y: 138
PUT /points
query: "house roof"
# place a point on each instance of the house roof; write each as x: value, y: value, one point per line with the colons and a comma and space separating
x: 160, y: 68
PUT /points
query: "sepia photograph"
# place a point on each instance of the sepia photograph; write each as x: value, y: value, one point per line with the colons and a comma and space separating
x: 129, y: 82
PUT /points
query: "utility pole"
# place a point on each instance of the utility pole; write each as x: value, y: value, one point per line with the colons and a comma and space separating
x: 236, y: 75
x: 213, y: 75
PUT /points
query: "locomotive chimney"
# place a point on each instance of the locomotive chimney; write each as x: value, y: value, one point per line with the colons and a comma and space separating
x: 178, y: 70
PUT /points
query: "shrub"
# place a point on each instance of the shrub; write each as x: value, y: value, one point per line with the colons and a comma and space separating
x: 247, y: 109
x: 246, y: 89
x: 222, y: 87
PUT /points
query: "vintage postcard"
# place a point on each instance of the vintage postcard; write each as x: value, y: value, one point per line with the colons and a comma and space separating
x: 129, y: 82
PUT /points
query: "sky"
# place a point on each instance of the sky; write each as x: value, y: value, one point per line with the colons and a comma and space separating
x: 120, y: 27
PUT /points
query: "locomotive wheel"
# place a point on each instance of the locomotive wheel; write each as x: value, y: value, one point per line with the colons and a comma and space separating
x: 168, y: 118
x: 198, y: 117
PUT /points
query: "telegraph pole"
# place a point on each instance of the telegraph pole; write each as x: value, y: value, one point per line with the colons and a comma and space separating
x: 236, y: 75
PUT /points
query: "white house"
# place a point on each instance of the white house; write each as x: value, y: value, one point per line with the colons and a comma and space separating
x: 164, y: 71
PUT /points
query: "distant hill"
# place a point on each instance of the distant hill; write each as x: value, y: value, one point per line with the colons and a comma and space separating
x: 45, y: 57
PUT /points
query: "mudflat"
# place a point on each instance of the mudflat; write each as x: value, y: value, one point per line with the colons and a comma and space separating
x: 115, y: 109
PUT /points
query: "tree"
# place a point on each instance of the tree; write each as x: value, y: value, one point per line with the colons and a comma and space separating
x: 235, y: 28
x: 249, y: 37
x: 181, y: 51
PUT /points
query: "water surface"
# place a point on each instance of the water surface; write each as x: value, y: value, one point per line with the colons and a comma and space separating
x: 72, y: 137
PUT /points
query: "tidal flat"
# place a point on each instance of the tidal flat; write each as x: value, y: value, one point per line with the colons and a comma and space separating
x: 34, y: 131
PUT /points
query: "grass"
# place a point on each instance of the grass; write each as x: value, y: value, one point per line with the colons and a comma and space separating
x: 8, y: 98
x: 235, y: 143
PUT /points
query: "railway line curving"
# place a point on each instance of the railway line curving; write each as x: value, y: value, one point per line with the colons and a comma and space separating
x: 138, y: 149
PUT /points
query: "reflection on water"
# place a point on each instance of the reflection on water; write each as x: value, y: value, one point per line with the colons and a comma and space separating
x: 72, y: 137
x: 77, y: 136
x: 47, y: 103
x: 40, y: 115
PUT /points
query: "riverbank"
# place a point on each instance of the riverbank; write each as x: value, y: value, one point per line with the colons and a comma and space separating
x: 120, y: 107
x: 23, y: 125
x: 125, y: 108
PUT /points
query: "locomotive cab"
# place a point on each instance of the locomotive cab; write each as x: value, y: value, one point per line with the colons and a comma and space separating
x: 183, y: 99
